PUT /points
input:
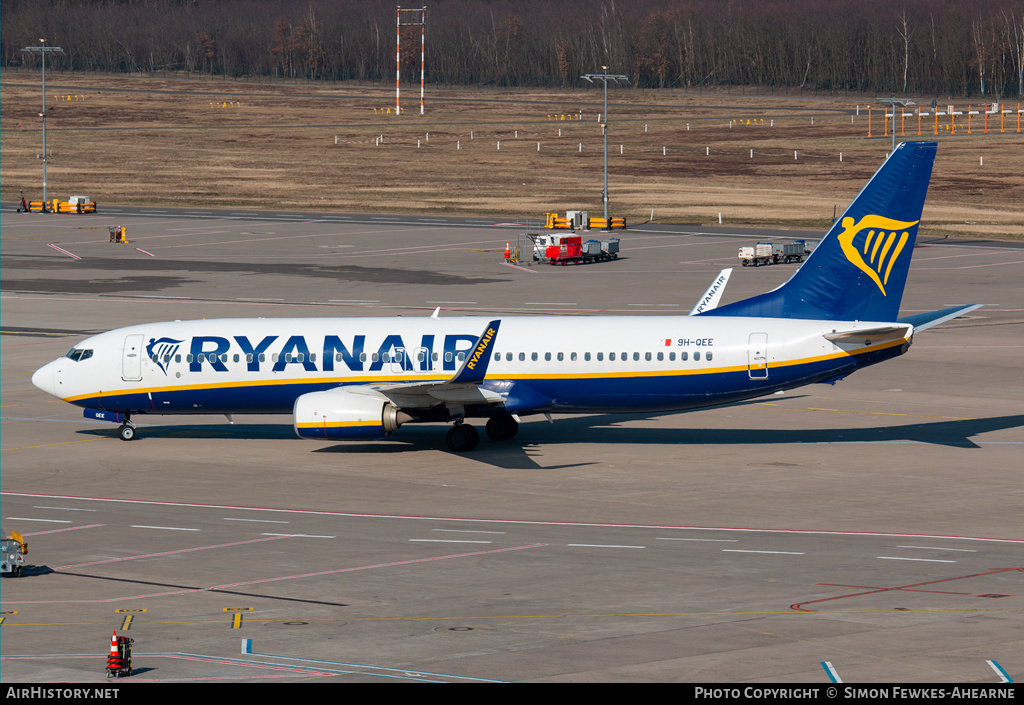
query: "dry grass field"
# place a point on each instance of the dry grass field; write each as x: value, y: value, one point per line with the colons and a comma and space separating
x: 508, y: 153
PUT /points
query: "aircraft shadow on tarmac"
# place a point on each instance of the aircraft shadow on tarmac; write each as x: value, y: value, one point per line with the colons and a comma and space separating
x: 602, y: 429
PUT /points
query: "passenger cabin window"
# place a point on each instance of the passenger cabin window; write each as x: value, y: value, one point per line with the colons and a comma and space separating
x: 707, y: 356
x: 522, y: 357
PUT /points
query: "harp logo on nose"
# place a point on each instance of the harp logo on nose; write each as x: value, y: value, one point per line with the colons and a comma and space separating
x: 162, y: 350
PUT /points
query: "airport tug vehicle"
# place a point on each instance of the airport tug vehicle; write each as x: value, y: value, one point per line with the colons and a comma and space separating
x: 13, y: 550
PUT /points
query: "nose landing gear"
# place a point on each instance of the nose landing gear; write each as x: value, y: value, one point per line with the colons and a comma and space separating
x: 126, y: 431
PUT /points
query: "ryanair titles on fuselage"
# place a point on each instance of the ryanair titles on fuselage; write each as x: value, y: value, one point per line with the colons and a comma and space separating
x: 352, y: 353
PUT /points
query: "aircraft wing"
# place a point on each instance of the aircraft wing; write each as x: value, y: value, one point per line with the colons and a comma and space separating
x: 463, y: 388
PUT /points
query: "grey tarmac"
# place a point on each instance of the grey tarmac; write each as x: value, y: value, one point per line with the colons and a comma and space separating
x: 874, y: 525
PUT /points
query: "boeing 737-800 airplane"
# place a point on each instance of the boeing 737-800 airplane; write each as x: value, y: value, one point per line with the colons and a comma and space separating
x: 363, y: 378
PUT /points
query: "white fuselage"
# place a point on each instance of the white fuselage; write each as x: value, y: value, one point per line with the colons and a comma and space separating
x: 541, y: 364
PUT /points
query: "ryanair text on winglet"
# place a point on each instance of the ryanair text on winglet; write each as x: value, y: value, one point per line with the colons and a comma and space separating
x: 481, y: 349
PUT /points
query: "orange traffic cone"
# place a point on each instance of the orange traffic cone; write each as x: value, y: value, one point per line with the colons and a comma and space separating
x: 508, y: 250
x: 114, y: 659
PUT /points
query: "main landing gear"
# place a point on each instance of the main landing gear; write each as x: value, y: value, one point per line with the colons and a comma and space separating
x: 463, y: 438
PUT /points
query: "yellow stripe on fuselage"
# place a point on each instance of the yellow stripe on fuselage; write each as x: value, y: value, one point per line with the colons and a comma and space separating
x: 519, y: 376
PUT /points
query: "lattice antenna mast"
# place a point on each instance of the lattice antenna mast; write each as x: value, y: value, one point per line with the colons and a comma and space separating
x: 410, y: 21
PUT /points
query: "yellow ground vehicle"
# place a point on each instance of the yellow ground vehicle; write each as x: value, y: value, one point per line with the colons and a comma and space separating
x: 581, y: 220
x: 75, y: 204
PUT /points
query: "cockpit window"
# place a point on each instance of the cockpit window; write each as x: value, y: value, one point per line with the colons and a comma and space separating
x: 79, y: 354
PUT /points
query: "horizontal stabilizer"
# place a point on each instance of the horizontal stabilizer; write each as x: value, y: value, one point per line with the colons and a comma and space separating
x: 869, y: 336
x: 924, y: 321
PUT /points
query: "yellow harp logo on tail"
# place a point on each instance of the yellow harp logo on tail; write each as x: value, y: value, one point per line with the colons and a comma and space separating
x: 876, y: 252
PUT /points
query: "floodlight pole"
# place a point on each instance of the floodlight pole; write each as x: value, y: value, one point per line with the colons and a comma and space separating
x: 892, y: 103
x: 605, y: 77
x: 43, y: 50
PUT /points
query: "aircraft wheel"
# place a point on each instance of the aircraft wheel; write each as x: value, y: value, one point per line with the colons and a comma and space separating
x: 126, y: 432
x: 502, y: 427
x: 462, y: 438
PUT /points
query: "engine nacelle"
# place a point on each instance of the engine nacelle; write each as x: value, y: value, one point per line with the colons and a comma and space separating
x: 346, y: 413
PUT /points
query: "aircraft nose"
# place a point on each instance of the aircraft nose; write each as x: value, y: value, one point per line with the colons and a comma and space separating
x: 43, y: 378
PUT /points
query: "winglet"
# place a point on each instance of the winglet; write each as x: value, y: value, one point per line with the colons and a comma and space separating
x: 714, y: 293
x: 475, y: 366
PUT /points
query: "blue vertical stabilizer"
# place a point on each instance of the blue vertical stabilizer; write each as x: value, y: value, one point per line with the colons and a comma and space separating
x: 859, y: 269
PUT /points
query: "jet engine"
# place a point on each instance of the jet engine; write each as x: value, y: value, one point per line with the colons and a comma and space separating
x: 346, y: 413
